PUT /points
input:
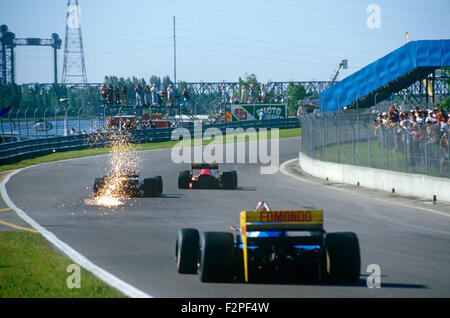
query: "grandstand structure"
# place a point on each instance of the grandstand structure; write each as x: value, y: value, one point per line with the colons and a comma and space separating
x: 406, y: 71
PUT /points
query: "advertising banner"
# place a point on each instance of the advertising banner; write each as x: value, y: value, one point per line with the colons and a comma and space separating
x: 253, y: 112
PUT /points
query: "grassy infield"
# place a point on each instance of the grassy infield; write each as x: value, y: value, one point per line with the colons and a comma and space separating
x: 30, y: 267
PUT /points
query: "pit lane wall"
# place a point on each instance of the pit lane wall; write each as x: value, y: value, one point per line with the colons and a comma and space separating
x: 404, y: 183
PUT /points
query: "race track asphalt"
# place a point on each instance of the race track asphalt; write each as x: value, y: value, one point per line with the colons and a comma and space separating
x: 136, y: 241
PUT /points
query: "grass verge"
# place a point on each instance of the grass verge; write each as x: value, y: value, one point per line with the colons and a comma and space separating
x: 31, y: 268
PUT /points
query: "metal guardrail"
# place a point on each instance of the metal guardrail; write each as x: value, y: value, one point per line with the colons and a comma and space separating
x: 17, y: 150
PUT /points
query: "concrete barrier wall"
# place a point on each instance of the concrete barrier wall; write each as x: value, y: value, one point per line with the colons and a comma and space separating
x: 404, y: 183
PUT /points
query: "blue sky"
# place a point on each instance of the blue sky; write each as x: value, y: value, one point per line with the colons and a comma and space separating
x: 279, y: 40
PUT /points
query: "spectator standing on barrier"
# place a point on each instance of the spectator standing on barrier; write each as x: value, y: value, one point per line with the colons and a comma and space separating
x: 251, y: 97
x: 117, y: 95
x: 262, y: 94
x: 109, y: 94
x: 224, y: 94
x: 147, y: 95
x: 243, y: 94
x: 154, y: 92
x: 185, y: 95
x: 170, y: 97
x: 138, y: 91
x: 161, y: 97
x: 124, y: 95
x: 103, y: 94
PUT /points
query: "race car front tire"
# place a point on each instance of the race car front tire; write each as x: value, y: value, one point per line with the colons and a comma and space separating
x: 159, y: 184
x: 187, y: 250
x: 184, y: 179
x: 216, y: 257
x: 343, y: 257
x: 150, y: 187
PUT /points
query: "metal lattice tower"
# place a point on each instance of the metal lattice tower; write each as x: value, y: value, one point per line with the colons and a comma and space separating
x: 74, y: 68
x: 6, y: 55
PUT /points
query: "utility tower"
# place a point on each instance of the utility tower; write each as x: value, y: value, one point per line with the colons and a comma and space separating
x: 7, y: 55
x: 74, y: 68
x: 8, y: 44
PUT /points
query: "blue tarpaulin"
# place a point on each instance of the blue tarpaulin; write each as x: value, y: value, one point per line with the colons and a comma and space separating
x: 399, y: 68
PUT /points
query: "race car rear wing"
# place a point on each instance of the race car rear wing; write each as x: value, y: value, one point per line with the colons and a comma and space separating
x: 294, y: 220
x: 286, y: 220
x: 205, y: 166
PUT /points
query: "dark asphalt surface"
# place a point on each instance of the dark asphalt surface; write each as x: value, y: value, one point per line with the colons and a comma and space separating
x: 136, y: 242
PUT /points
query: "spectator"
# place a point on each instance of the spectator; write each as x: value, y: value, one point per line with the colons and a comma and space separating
x: 185, y: 95
x: 147, y: 95
x: 251, y: 97
x: 138, y: 91
x: 300, y: 109
x: 224, y: 94
x: 444, y: 144
x: 161, y: 97
x: 124, y: 95
x: 117, y: 95
x: 262, y: 114
x: 243, y: 94
x: 262, y: 94
x: 154, y: 92
x: 103, y: 94
x: 430, y: 118
x: 170, y: 97
x: 109, y: 94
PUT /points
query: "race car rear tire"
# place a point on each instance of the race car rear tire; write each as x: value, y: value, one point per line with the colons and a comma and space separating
x: 216, y: 257
x: 99, y: 183
x: 228, y: 180
x: 187, y: 250
x: 235, y: 179
x: 150, y: 187
x: 343, y: 257
x: 184, y: 179
x: 159, y: 183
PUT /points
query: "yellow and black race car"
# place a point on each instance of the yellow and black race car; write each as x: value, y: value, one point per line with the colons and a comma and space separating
x: 282, y: 245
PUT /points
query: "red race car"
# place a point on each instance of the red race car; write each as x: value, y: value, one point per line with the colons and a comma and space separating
x: 207, y: 177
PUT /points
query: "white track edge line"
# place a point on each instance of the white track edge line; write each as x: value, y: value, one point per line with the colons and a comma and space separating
x: 75, y: 256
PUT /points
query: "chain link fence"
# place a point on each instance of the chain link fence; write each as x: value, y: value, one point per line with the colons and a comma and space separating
x: 356, y: 138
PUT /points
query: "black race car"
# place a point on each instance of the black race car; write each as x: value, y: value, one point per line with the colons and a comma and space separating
x: 207, y: 177
x: 125, y: 183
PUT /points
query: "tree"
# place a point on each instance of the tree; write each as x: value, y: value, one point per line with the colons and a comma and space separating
x: 296, y: 92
